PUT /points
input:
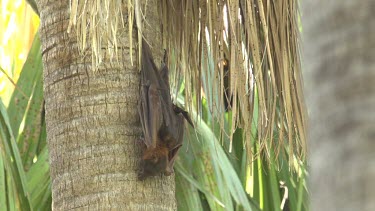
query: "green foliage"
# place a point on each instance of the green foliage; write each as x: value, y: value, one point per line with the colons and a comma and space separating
x: 208, y: 176
x: 231, y: 181
x: 24, y: 169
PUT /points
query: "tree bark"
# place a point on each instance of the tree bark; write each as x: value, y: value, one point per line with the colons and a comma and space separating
x: 339, y: 49
x: 93, y: 127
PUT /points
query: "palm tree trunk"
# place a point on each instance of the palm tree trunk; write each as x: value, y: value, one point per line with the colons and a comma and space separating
x: 339, y: 48
x: 93, y: 127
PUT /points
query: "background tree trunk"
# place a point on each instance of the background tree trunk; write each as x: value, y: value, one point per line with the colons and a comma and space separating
x: 93, y: 127
x: 339, y: 64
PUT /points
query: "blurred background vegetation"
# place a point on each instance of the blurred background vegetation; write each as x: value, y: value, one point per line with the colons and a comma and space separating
x: 220, y: 180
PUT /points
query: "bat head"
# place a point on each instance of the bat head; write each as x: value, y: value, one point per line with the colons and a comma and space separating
x: 154, y: 162
x: 152, y: 167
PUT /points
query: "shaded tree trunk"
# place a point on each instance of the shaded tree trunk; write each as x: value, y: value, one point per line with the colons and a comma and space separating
x: 339, y: 61
x: 93, y: 127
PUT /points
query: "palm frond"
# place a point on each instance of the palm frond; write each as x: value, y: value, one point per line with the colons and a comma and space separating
x: 260, y: 39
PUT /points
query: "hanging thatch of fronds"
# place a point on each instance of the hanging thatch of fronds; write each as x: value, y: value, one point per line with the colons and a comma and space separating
x: 96, y: 24
x: 258, y: 38
x: 261, y: 40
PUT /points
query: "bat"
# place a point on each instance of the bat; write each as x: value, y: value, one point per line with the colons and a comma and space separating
x: 162, y: 121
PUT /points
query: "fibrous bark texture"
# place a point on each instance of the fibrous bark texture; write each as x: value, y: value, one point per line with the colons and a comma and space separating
x: 93, y: 127
x: 339, y: 63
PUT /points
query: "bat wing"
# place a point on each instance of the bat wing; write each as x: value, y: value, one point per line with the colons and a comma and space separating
x: 176, y: 143
x: 150, y: 112
x: 174, y: 118
x: 150, y: 104
x: 155, y: 113
x: 144, y: 115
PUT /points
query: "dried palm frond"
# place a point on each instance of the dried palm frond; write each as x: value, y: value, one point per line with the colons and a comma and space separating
x: 261, y: 40
x: 97, y: 22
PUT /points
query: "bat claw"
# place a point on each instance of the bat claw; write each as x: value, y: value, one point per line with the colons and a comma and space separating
x: 165, y: 56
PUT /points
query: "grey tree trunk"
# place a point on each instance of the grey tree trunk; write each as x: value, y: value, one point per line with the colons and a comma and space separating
x: 93, y: 127
x: 339, y: 63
